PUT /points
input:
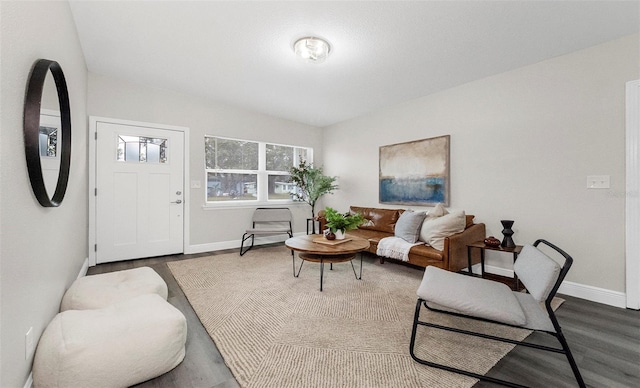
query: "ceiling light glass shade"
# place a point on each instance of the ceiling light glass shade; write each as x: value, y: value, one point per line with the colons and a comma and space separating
x: 312, y: 50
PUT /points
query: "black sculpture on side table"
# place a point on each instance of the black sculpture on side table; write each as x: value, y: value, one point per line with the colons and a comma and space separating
x: 507, y: 242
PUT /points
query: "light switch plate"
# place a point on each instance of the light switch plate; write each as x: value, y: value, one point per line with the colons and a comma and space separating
x: 195, y: 184
x: 598, y: 181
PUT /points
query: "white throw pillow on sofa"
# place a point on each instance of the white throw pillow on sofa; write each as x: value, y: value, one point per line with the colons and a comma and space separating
x: 437, y: 211
x: 434, y: 231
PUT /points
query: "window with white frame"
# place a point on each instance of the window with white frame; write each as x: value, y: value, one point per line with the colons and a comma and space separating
x: 250, y: 171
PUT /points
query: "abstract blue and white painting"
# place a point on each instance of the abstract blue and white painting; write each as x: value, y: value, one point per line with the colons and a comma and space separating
x: 416, y: 172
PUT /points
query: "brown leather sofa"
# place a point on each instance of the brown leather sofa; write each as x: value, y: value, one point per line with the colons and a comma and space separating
x: 381, y: 223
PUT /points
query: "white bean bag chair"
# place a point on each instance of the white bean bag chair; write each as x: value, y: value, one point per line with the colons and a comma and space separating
x: 98, y: 291
x: 117, y: 346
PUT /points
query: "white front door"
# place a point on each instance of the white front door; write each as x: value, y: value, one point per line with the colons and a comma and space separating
x: 139, y: 195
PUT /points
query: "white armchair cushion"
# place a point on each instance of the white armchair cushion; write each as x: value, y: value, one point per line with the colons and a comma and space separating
x: 471, y: 296
x: 536, y: 315
x: 537, y: 271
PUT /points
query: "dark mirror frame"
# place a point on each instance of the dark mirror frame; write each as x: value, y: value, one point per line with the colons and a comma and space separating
x: 32, y: 105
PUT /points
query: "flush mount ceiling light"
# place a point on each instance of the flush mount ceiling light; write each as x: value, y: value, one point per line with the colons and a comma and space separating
x: 312, y: 49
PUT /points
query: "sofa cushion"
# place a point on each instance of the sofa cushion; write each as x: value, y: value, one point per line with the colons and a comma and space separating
x: 437, y: 211
x: 408, y: 225
x: 372, y: 236
x: 381, y: 220
x: 433, y: 232
x: 426, y: 251
x: 367, y: 234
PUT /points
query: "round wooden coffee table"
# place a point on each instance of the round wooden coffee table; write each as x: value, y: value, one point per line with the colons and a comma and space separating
x: 317, y: 249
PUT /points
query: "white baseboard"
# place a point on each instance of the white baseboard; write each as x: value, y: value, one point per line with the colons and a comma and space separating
x: 84, y: 269
x: 29, y: 382
x: 582, y: 291
x: 594, y: 294
x: 495, y: 270
x: 210, y: 247
x: 234, y: 244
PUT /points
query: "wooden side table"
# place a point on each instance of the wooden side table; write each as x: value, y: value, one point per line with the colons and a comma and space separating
x: 482, y: 247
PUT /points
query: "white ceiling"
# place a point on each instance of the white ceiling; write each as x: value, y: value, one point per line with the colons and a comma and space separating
x: 383, y: 52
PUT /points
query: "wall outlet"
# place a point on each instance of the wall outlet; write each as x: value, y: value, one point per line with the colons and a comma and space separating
x: 598, y: 181
x: 28, y: 343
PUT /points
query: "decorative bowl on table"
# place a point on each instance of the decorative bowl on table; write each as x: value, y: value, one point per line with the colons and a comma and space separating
x: 329, y: 235
x: 492, y: 242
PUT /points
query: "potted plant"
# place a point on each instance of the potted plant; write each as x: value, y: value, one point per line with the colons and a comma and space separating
x: 311, y: 184
x: 339, y: 223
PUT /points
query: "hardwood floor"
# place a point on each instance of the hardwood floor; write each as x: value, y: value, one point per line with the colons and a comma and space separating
x: 605, y: 342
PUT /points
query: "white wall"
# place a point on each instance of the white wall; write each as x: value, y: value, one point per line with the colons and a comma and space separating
x: 208, y: 228
x: 522, y: 145
x: 42, y: 249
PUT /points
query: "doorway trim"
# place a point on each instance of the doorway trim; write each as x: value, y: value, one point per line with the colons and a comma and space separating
x: 93, y: 135
x: 632, y: 195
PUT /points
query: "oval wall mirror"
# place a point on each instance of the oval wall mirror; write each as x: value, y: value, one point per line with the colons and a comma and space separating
x: 47, y: 132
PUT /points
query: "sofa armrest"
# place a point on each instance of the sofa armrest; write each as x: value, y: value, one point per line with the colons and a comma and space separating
x: 322, y: 222
x: 457, y: 245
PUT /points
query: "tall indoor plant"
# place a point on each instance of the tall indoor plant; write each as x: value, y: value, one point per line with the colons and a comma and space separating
x: 312, y: 184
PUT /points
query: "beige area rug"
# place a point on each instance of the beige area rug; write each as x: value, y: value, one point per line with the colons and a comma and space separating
x: 275, y: 330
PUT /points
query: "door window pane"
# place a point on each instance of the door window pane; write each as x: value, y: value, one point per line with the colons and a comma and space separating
x: 141, y: 149
x: 48, y: 141
x: 280, y: 187
x: 232, y: 187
